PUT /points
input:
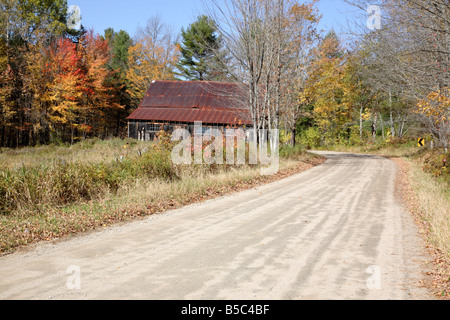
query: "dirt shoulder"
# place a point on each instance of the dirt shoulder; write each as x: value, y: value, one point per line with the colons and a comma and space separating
x: 437, y: 280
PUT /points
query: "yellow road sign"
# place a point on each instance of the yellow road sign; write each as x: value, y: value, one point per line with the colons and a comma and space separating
x: 421, y: 142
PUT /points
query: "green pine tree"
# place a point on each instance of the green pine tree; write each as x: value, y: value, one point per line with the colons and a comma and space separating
x: 201, y: 56
x: 119, y: 43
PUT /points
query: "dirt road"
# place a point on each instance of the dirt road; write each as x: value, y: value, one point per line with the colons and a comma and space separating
x: 334, y: 232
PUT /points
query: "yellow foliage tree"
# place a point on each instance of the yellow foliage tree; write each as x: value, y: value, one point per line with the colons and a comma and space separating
x: 149, y: 61
x: 325, y: 87
x: 436, y: 108
x: 100, y: 101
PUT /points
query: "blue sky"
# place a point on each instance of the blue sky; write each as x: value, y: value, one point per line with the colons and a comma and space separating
x: 128, y: 14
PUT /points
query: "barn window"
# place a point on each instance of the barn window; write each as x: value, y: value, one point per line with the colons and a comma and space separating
x: 153, y: 127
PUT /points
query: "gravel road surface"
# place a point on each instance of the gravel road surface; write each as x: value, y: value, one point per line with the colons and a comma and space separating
x: 334, y: 232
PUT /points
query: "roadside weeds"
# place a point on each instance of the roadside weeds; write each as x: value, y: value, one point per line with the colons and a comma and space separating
x: 430, y: 210
x: 146, y: 198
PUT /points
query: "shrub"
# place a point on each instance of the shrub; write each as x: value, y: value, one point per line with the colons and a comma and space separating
x: 60, y: 182
x: 291, y: 152
x: 311, y: 138
x: 437, y: 164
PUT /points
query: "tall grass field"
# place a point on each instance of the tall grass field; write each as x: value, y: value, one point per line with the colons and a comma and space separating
x: 54, y: 191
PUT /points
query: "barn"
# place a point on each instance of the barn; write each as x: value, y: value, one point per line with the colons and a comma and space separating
x: 170, y: 105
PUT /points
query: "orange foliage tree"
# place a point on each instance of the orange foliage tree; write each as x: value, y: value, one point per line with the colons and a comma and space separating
x: 71, y: 96
x: 100, y: 99
x: 64, y: 91
x: 149, y: 61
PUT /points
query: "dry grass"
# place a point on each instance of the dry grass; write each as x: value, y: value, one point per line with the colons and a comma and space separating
x: 140, y: 196
x: 434, y: 202
x: 93, y: 151
x: 429, y: 201
x: 390, y: 150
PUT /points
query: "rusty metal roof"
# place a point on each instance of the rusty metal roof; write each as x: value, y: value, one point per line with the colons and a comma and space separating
x: 191, y: 101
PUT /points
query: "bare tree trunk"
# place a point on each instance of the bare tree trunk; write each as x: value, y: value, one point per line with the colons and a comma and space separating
x: 71, y: 134
x: 402, y: 123
x: 375, y: 127
x: 2, y: 141
x: 382, y: 126
x: 391, y: 116
x: 361, y: 123
x: 294, y: 138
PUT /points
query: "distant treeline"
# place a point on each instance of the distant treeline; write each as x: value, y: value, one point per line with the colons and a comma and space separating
x: 61, y: 85
x: 393, y: 80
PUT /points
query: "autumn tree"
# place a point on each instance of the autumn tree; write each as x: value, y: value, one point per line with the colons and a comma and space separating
x: 152, y: 57
x: 64, y: 91
x: 24, y: 24
x: 6, y: 93
x: 71, y: 93
x: 55, y: 83
x: 300, y: 32
x: 359, y: 97
x: 100, y: 100
x: 325, y: 88
x: 435, y: 108
x: 412, y: 49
